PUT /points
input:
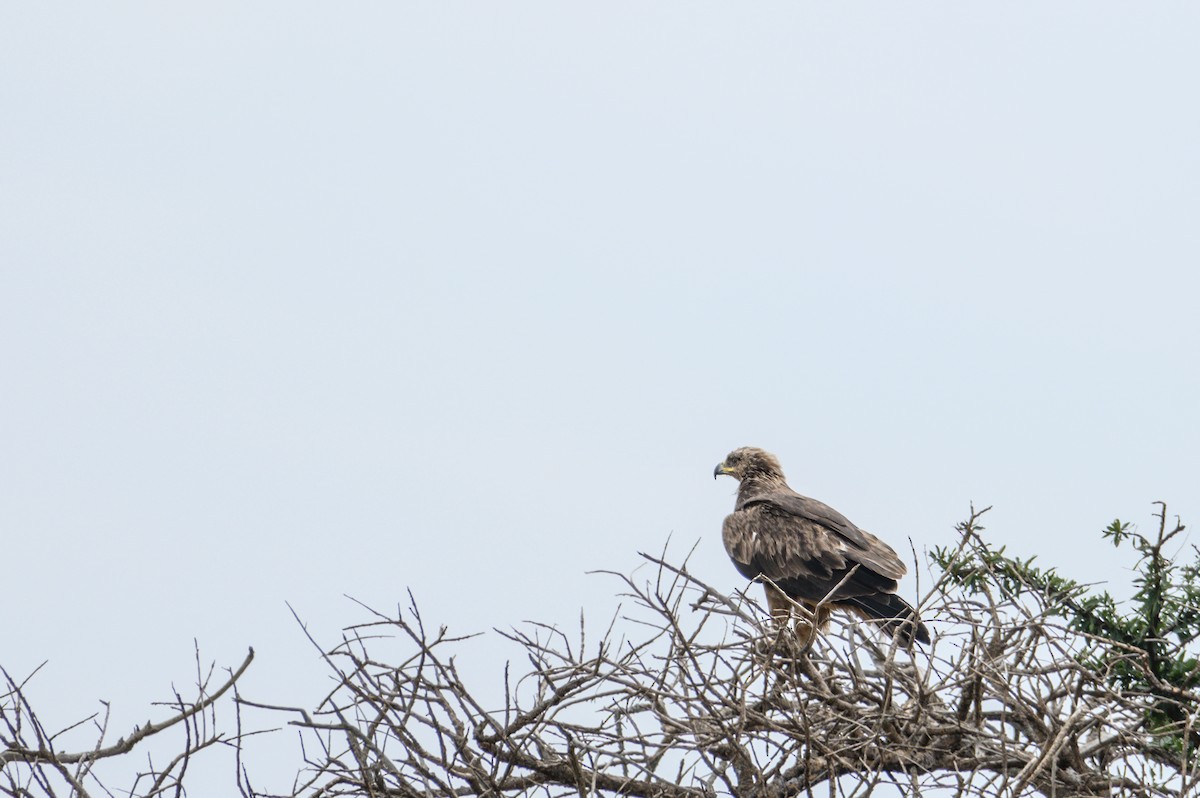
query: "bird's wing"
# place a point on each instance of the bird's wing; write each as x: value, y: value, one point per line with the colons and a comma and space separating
x: 811, y: 518
x: 802, y: 557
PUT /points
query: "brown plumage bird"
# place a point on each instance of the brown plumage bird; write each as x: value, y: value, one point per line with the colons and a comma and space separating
x: 811, y: 551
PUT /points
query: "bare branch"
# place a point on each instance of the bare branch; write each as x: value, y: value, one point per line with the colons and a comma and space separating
x: 32, y: 763
x: 694, y: 693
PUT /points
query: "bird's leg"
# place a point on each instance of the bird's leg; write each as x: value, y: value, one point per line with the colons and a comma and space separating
x: 821, y: 613
x: 809, y: 621
x: 807, y: 614
x: 779, y: 605
x: 792, y: 639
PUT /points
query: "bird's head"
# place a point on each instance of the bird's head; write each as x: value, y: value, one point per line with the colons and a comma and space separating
x: 749, y: 463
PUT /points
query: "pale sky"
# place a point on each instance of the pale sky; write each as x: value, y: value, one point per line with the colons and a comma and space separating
x: 308, y: 300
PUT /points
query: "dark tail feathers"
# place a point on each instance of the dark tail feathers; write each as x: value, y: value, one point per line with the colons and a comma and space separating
x: 897, y: 617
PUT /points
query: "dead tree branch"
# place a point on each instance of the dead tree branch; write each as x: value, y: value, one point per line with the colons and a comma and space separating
x: 692, y: 693
x: 32, y: 762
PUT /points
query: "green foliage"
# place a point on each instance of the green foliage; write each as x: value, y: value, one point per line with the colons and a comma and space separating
x: 1144, y: 645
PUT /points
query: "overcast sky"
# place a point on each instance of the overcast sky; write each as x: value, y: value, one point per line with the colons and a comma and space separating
x: 307, y: 300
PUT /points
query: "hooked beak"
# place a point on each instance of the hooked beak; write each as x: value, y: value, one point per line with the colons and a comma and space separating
x: 720, y: 469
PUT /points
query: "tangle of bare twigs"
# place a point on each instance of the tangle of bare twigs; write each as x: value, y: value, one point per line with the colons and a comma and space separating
x: 690, y: 693
x: 34, y: 763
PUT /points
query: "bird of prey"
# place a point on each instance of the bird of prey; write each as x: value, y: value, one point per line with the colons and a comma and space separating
x: 810, y: 551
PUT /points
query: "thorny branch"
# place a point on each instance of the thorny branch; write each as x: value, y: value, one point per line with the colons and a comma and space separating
x: 692, y: 693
